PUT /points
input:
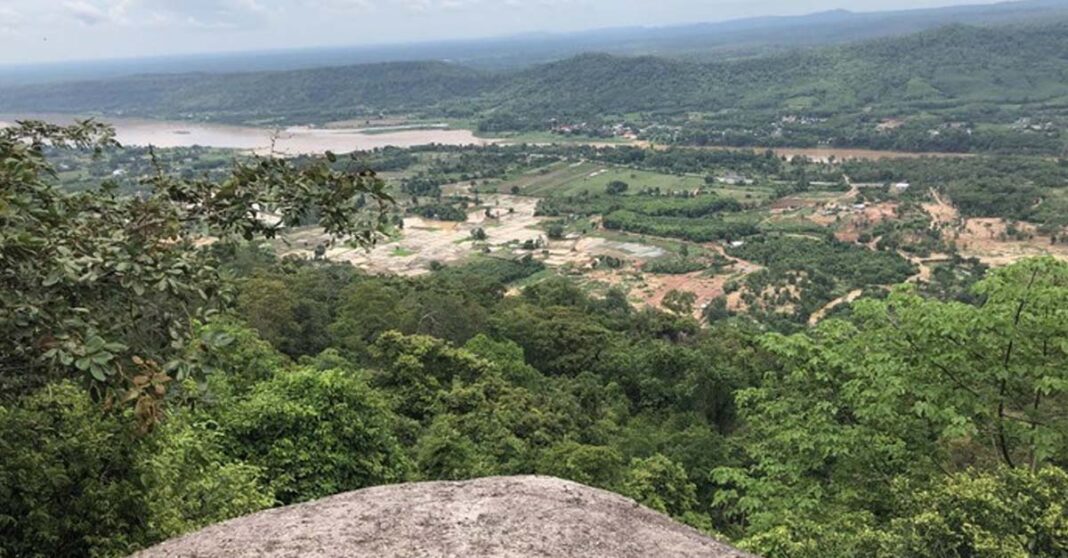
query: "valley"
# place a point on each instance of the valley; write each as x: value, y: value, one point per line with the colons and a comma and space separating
x: 798, y: 284
x: 687, y: 232
x: 678, y: 222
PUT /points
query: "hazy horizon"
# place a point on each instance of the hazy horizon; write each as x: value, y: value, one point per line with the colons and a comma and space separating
x: 85, y: 30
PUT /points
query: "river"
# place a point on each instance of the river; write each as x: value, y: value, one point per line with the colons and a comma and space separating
x: 307, y: 140
x: 294, y: 140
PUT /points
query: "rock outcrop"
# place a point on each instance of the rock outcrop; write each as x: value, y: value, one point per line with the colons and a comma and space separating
x: 491, y: 517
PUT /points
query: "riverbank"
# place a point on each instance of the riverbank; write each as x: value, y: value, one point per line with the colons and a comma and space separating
x: 350, y: 136
x: 288, y: 141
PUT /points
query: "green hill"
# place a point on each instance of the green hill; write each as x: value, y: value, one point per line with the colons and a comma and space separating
x: 951, y: 65
x: 980, y: 79
x: 292, y: 95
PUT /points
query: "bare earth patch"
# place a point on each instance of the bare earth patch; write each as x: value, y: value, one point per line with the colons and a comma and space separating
x: 987, y: 240
x: 942, y: 212
x: 582, y: 252
x: 426, y: 240
x: 649, y: 289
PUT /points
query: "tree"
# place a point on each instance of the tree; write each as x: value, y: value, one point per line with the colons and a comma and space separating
x: 599, y: 466
x: 233, y: 357
x: 68, y: 483
x: 680, y: 302
x: 660, y: 484
x: 616, y: 187
x: 268, y: 306
x: 191, y: 482
x: 912, y: 389
x: 994, y: 370
x: 105, y: 288
x: 717, y: 310
x: 1007, y: 512
x: 445, y: 453
x: 315, y: 433
x: 369, y: 308
x: 556, y: 340
x: 415, y: 370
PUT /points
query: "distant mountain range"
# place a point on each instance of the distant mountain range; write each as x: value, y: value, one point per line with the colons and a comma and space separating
x: 704, y: 41
x: 955, y: 67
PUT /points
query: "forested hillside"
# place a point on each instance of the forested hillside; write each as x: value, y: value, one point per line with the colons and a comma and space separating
x: 952, y: 89
x: 951, y: 65
x: 300, y: 95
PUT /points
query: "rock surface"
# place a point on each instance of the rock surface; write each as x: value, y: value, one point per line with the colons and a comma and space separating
x: 491, y: 517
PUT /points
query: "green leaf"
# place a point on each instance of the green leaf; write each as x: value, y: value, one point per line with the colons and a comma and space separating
x: 115, y: 347
x: 98, y: 373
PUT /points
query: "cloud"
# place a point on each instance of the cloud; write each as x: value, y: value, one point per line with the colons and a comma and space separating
x: 10, y: 20
x: 86, y: 13
x: 191, y: 13
x: 98, y: 12
x: 415, y: 6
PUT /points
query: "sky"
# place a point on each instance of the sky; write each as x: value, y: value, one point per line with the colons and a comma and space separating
x: 58, y: 30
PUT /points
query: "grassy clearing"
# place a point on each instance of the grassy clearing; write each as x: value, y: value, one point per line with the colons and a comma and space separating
x: 532, y: 279
x: 746, y: 194
x: 570, y: 179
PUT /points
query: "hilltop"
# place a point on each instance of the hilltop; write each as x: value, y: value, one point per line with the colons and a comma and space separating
x: 498, y: 517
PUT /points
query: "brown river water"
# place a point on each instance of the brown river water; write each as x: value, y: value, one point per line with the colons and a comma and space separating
x: 293, y: 140
x: 306, y: 140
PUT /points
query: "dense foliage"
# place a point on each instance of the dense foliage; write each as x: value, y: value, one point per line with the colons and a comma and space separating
x: 105, y: 289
